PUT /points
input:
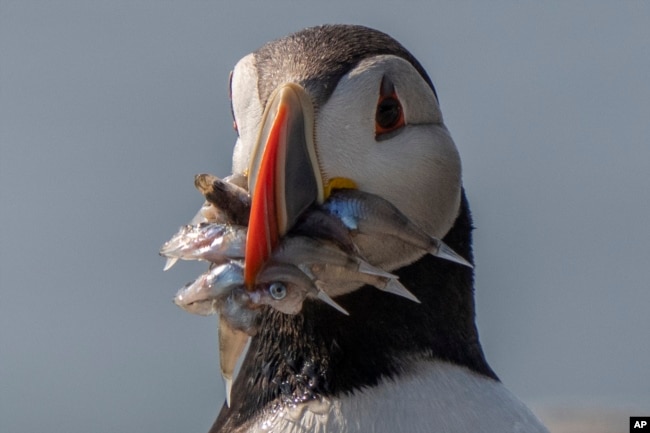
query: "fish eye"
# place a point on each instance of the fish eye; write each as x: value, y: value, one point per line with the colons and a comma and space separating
x: 278, y: 291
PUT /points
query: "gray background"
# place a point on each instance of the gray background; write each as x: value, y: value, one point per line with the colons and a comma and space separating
x: 107, y: 110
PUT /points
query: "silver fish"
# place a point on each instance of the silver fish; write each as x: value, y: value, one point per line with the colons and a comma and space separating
x: 333, y: 270
x: 227, y: 202
x: 372, y: 215
x: 207, y: 213
x: 318, y: 223
x: 211, y: 242
x: 302, y: 250
x: 338, y: 280
x: 207, y: 295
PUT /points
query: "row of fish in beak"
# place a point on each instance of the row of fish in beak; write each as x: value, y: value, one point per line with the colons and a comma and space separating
x: 310, y: 263
x: 318, y: 259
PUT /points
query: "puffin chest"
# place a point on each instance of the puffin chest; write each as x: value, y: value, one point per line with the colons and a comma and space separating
x: 435, y: 397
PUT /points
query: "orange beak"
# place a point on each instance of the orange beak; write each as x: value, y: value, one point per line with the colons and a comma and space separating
x: 283, y: 177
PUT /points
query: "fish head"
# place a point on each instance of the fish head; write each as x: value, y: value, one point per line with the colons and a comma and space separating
x: 283, y: 287
x: 206, y: 294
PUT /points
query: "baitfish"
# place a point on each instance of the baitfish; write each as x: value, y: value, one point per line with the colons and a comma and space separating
x: 206, y: 241
x: 372, y: 215
x: 320, y: 224
x: 303, y: 250
x: 207, y: 295
x: 338, y: 280
x: 227, y: 202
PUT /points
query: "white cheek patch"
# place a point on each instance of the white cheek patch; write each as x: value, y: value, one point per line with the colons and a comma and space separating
x: 247, y: 110
x: 418, y: 169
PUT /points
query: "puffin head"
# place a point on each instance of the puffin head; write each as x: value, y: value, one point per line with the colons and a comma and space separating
x: 341, y: 107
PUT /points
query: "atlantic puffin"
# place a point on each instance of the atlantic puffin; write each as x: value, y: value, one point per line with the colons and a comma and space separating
x: 346, y: 106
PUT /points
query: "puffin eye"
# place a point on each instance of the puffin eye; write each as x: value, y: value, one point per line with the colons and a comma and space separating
x: 389, y: 115
x: 278, y: 291
x: 389, y: 112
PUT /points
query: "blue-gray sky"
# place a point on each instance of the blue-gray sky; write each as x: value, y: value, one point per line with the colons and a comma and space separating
x: 108, y: 109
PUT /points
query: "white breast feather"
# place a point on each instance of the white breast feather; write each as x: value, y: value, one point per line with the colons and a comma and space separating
x: 439, y: 397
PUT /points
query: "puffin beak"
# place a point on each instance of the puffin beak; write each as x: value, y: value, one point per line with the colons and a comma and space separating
x: 284, y: 177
